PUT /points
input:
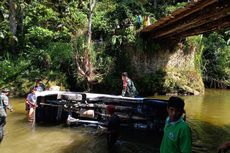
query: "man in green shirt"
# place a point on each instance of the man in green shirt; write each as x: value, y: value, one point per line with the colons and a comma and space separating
x: 177, y: 134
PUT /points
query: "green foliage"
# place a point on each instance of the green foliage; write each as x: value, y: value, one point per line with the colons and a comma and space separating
x: 53, y: 63
x: 151, y: 83
x: 197, y: 43
x: 10, y: 69
x: 104, y: 64
x: 60, y: 53
x: 13, y: 71
x: 212, y: 57
x: 183, y: 82
x: 79, y: 44
x: 171, y: 8
x: 122, y: 19
x: 101, y: 61
x: 164, y: 7
x: 216, y: 57
x: 100, y: 20
x: 39, y: 36
x: 38, y: 14
x: 56, y: 61
x: 46, y: 49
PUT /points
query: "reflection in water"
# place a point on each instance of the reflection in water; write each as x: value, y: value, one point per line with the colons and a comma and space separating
x: 212, y: 108
x: 208, y: 116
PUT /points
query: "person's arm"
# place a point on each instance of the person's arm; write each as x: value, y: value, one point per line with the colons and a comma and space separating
x: 6, y: 103
x: 124, y: 88
x: 28, y: 99
x: 29, y: 102
x: 185, y: 140
x: 224, y: 147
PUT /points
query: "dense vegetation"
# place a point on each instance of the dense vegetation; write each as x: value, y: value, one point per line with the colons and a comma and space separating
x: 79, y: 44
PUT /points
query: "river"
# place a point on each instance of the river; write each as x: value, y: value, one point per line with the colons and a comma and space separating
x: 208, y: 116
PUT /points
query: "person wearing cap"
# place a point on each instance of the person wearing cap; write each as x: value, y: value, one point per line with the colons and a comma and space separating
x: 4, y: 105
x: 129, y: 89
x: 177, y: 136
x: 5, y: 102
x: 31, y: 103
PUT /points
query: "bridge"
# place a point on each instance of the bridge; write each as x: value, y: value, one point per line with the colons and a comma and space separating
x: 195, y: 18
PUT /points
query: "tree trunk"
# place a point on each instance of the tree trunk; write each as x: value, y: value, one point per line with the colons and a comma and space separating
x: 155, y: 4
x: 13, y: 21
x: 20, y: 26
x: 87, y: 62
x: 13, y: 25
x: 92, y: 4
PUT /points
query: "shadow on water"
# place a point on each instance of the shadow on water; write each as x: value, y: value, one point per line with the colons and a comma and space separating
x: 129, y: 142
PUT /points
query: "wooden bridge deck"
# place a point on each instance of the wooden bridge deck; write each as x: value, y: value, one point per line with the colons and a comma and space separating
x: 195, y: 18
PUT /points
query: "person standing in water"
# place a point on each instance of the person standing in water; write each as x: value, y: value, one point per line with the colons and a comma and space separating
x: 129, y: 89
x: 31, y: 103
x: 4, y: 105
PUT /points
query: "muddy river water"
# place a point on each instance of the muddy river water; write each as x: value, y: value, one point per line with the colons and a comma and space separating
x: 208, y: 115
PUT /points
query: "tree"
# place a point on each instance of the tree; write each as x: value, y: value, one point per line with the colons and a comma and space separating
x: 15, y: 24
x: 216, y: 57
x: 83, y: 63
